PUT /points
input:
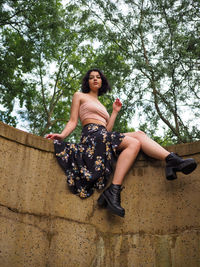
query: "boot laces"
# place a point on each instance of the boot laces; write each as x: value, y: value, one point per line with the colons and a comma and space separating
x: 118, y: 196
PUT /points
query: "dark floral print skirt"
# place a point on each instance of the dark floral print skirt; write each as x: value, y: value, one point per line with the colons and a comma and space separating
x: 88, y: 164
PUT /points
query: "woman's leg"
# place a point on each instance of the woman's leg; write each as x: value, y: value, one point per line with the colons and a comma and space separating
x: 154, y: 150
x: 110, y: 198
x: 130, y: 147
x: 148, y: 146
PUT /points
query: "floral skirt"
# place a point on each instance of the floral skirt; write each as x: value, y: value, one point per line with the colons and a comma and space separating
x: 89, y: 163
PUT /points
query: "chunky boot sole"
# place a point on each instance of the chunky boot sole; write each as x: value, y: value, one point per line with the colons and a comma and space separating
x: 103, y: 201
x: 188, y: 166
x: 170, y: 173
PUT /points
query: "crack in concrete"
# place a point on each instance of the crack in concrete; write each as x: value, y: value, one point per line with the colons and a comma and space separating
x: 45, y: 216
x: 51, y: 218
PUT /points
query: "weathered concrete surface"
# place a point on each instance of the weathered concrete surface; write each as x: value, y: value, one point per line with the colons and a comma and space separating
x: 42, y: 224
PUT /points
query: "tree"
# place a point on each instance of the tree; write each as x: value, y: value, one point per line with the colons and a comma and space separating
x: 159, y: 40
x: 28, y: 28
x: 36, y: 37
x: 149, y: 50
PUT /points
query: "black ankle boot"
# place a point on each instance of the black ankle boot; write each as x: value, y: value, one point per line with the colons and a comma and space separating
x: 110, y: 199
x: 177, y: 164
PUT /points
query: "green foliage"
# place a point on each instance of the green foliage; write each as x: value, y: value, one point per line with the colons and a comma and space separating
x: 28, y: 29
x: 159, y: 42
x: 149, y: 51
x: 35, y: 36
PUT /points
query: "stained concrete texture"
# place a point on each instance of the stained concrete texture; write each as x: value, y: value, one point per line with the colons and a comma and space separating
x: 42, y: 224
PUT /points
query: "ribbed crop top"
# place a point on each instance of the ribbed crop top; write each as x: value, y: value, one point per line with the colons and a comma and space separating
x: 93, y: 110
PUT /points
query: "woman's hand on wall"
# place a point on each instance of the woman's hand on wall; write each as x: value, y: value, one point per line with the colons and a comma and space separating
x: 54, y: 136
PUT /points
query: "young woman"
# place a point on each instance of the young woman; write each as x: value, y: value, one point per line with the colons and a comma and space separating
x: 88, y: 164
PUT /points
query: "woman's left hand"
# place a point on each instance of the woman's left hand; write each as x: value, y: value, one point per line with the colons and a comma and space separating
x: 117, y: 105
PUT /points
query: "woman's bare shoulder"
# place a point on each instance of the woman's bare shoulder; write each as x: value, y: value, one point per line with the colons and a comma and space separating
x: 82, y: 97
x: 79, y: 95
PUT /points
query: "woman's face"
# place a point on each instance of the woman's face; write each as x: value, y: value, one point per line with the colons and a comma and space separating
x: 95, y: 81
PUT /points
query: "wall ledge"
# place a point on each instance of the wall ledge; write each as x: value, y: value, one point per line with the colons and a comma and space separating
x: 43, y: 144
x: 25, y: 138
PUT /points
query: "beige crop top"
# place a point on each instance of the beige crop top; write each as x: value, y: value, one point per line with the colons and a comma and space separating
x: 92, y: 110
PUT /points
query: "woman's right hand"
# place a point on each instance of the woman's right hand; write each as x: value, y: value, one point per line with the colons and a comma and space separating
x: 54, y: 136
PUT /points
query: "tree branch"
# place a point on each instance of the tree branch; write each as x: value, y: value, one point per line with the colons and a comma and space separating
x: 42, y: 86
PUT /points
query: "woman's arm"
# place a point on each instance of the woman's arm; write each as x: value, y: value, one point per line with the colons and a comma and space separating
x: 111, y: 121
x: 72, y: 123
x: 116, y: 108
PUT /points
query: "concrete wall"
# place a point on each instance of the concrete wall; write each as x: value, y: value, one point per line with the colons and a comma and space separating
x: 42, y: 224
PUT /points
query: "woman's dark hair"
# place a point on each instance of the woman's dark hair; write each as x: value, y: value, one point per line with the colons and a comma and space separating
x: 85, y: 83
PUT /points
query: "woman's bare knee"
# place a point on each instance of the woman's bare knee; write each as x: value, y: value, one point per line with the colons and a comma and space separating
x: 135, y: 144
x: 129, y: 141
